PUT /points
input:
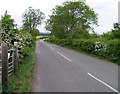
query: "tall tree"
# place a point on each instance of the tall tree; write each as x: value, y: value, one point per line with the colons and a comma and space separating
x: 116, y: 31
x: 70, y: 18
x: 8, y: 30
x: 7, y: 22
x: 32, y: 18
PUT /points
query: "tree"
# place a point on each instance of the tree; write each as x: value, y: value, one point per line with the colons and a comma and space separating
x: 0, y: 26
x: 35, y: 33
x: 116, y: 31
x: 71, y: 18
x: 6, y: 22
x: 32, y: 18
x: 8, y: 29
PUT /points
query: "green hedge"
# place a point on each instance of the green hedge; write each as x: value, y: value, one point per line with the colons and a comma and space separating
x: 108, y: 49
x: 113, y: 50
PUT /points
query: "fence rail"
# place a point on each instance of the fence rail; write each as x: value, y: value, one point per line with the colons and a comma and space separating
x: 8, y: 64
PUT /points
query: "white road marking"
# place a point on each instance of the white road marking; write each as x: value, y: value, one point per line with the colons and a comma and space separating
x: 103, y: 82
x: 52, y: 45
x: 52, y: 48
x: 63, y: 56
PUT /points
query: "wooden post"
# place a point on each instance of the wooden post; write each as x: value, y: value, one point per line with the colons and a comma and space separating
x: 15, y: 57
x: 4, y: 67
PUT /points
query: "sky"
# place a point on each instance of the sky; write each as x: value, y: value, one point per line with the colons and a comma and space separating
x: 107, y: 11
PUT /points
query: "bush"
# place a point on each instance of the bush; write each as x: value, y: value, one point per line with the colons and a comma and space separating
x: 113, y: 50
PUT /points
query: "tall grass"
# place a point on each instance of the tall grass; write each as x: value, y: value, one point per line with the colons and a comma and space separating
x: 21, y: 81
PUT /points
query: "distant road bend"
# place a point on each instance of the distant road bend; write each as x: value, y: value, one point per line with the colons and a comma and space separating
x: 59, y: 69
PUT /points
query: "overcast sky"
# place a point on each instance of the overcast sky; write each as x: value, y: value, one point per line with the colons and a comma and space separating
x: 107, y: 10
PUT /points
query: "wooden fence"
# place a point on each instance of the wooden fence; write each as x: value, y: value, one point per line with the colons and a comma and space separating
x: 9, y: 64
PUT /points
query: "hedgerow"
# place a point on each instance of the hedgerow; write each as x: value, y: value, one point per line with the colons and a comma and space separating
x: 108, y: 49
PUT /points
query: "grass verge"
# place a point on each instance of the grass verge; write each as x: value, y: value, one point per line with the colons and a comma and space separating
x: 21, y: 81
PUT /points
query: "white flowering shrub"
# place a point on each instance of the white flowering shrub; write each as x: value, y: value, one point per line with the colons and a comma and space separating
x: 25, y: 41
x: 23, y: 38
x: 10, y: 34
x: 100, y: 49
x: 100, y: 46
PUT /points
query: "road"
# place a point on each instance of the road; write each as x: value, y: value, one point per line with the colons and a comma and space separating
x: 59, y: 69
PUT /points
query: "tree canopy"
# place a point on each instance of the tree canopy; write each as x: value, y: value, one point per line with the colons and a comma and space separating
x: 32, y: 18
x: 73, y: 17
x: 7, y: 23
x: 7, y: 28
x: 116, y: 31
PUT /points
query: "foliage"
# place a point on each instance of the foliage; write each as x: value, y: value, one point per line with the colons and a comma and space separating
x: 10, y: 35
x: 32, y: 18
x: 113, y: 50
x: 103, y: 48
x: 8, y: 31
x: 7, y: 22
x: 26, y: 43
x: 35, y: 33
x: 114, y: 33
x: 71, y: 19
x: 0, y: 24
x: 41, y: 37
x: 70, y: 24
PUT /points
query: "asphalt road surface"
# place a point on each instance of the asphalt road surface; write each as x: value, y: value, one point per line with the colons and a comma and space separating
x: 59, y: 69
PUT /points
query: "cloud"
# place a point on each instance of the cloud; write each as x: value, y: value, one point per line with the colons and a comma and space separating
x: 107, y: 10
x: 107, y: 13
x: 17, y: 7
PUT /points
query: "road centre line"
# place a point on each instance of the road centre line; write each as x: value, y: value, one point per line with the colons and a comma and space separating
x: 103, y: 83
x: 63, y: 56
x: 52, y: 45
x: 52, y: 48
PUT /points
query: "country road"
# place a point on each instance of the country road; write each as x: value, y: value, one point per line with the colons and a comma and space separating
x: 59, y: 69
